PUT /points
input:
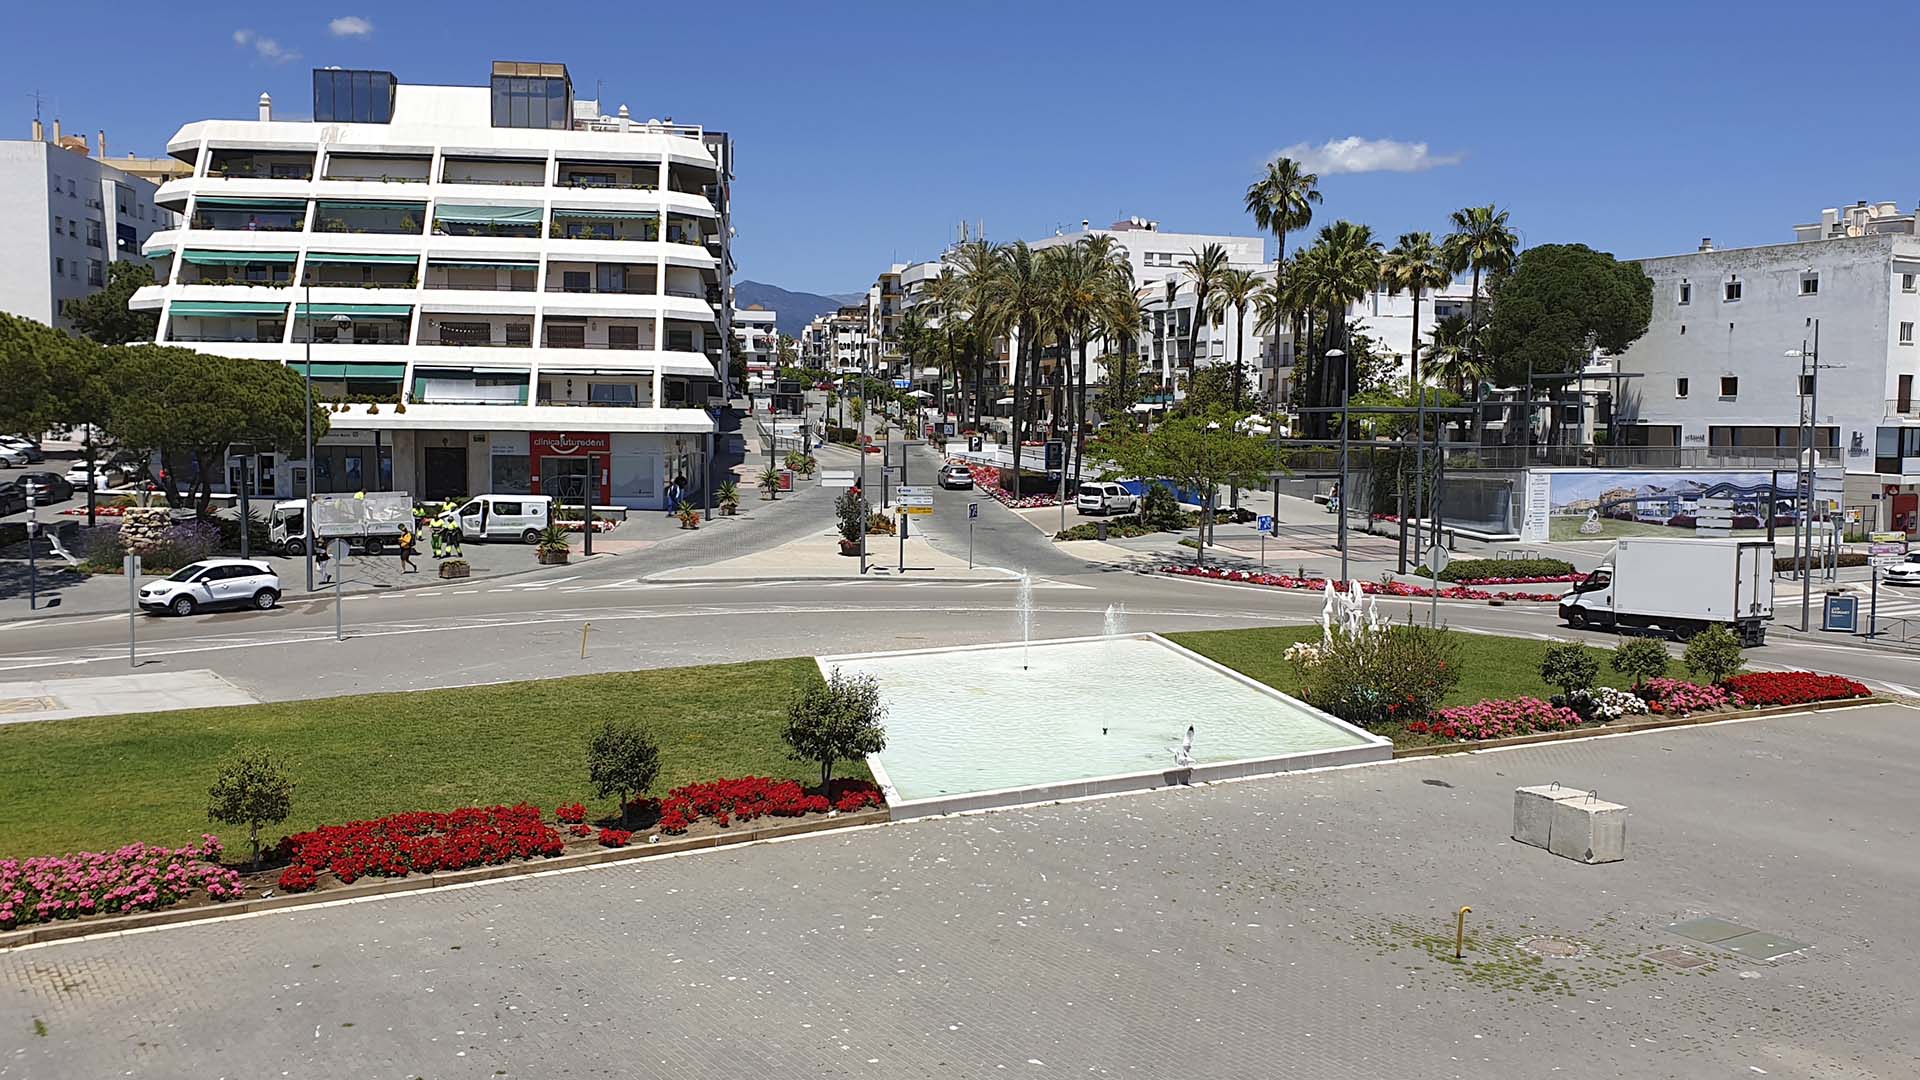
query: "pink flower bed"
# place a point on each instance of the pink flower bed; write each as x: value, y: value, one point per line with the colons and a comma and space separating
x: 1314, y: 584
x: 987, y: 478
x: 138, y: 877
x: 1497, y: 719
x: 1548, y: 580
x: 1677, y: 697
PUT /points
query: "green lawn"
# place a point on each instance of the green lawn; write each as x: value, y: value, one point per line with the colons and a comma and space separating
x: 1491, y: 667
x: 96, y: 783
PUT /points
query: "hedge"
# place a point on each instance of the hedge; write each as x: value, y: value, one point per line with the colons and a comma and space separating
x: 1475, y: 569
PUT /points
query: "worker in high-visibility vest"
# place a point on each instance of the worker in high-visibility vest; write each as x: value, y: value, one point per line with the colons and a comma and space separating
x: 431, y: 526
x: 453, y: 536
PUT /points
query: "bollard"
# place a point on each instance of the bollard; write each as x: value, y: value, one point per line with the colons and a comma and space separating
x: 1460, y: 932
x: 583, y: 639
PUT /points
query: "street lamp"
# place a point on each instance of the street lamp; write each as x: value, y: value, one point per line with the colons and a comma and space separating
x: 312, y: 535
x: 1339, y: 356
x: 1810, y: 390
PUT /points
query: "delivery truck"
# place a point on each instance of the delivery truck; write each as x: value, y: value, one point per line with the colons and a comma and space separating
x: 1681, y: 586
x: 369, y: 521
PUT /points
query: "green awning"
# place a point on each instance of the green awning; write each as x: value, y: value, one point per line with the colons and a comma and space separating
x: 236, y: 258
x: 216, y: 309
x: 487, y: 215
x: 355, y: 205
x: 335, y: 257
x: 625, y: 215
x: 160, y: 253
x: 252, y: 204
x: 436, y: 264
x: 353, y: 371
x: 355, y: 310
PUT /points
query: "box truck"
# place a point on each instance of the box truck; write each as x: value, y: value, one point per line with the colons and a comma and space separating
x: 369, y: 521
x: 1681, y: 586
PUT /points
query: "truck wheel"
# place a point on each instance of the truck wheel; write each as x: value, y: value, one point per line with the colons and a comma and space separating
x: 1685, y: 631
x: 293, y: 547
x: 1576, y: 618
x: 375, y: 546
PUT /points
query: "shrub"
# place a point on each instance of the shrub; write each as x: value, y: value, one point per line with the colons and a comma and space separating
x: 135, y: 878
x: 622, y: 761
x: 1641, y: 659
x: 182, y: 544
x: 850, y: 510
x: 1713, y: 654
x: 880, y: 524
x: 1497, y: 719
x: 1570, y: 666
x: 1398, y: 674
x: 1475, y: 569
x: 252, y: 790
x: 840, y: 718
x: 1159, y: 509
x: 100, y: 546
x: 1759, y: 689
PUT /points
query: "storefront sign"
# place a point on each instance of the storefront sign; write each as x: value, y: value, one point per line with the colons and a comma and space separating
x: 568, y: 443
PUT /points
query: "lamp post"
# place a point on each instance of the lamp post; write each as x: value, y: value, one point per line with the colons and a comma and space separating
x: 312, y: 535
x: 1810, y: 389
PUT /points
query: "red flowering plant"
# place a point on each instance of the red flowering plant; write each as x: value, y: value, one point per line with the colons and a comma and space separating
x: 580, y: 830
x: 1314, y: 584
x: 614, y: 837
x: 571, y: 813
x: 1677, y: 697
x: 421, y: 842
x: 1759, y: 689
x: 1496, y: 719
x: 725, y: 801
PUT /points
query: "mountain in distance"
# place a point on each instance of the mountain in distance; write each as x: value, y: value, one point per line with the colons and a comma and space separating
x: 846, y: 298
x: 792, y: 310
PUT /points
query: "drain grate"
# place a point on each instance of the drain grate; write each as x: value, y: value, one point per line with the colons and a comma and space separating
x: 27, y: 704
x: 1558, y: 948
x: 1679, y: 958
x: 1744, y: 940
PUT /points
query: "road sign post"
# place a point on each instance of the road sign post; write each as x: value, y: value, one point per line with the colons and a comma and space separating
x: 339, y: 579
x: 33, y: 542
x: 973, y: 514
x: 130, y: 565
x: 1436, y: 561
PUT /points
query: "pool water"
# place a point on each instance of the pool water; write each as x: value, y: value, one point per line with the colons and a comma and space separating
x: 971, y: 720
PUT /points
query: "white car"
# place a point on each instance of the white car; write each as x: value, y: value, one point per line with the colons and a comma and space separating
x: 104, y: 476
x: 1105, y: 498
x: 1904, y: 572
x: 213, y: 583
x: 13, y: 456
x: 956, y: 477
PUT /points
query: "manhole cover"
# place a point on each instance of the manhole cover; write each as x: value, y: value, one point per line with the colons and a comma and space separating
x: 27, y: 704
x: 1553, y: 946
x: 1679, y: 958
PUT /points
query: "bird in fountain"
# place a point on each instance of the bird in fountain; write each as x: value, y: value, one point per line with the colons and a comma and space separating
x: 1183, y: 757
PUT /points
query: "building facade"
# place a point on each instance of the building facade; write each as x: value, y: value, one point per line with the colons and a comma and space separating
x: 1722, y: 371
x: 67, y: 216
x: 499, y: 288
x: 758, y: 342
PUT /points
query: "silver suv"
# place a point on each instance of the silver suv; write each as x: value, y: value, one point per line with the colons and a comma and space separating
x: 1105, y: 498
x: 213, y: 583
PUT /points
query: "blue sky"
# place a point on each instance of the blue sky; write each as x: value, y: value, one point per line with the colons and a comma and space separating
x: 864, y: 132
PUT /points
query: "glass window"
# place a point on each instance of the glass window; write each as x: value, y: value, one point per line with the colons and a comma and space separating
x: 1729, y: 386
x: 1679, y: 388
x: 512, y: 473
x: 512, y: 509
x: 557, y: 104
x: 362, y: 95
x: 501, y: 114
x: 612, y: 393
x: 517, y: 103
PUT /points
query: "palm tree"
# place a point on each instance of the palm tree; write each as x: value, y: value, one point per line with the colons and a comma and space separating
x: 1414, y: 266
x: 1450, y: 353
x: 1340, y: 269
x: 966, y: 294
x: 1120, y: 319
x: 1235, y: 293
x: 1282, y: 200
x: 1018, y: 306
x: 1204, y: 267
x: 1481, y: 241
x: 1277, y: 309
x: 1083, y: 279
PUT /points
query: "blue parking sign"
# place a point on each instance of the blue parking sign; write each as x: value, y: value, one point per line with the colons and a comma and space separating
x: 973, y: 510
x: 1265, y: 523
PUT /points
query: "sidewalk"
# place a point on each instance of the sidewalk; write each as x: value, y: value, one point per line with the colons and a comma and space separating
x: 817, y: 555
x: 108, y: 695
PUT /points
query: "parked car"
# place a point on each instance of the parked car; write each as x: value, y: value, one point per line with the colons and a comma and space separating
x: 27, y: 447
x: 1105, y: 498
x: 956, y: 477
x: 213, y: 583
x: 13, y: 457
x: 1904, y: 572
x: 13, y: 498
x: 50, y: 487
x: 104, y: 476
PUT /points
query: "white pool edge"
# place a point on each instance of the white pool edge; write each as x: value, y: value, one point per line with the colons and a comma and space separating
x: 1370, y: 750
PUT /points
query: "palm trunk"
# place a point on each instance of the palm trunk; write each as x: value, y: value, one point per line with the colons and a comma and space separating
x: 1473, y: 329
x: 1022, y: 347
x: 1079, y: 421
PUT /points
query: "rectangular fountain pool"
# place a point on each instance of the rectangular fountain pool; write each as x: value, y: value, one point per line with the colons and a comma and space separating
x: 968, y: 728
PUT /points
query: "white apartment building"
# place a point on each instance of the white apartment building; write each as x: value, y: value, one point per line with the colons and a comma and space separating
x: 759, y: 342
x: 847, y: 338
x: 500, y: 287
x: 1714, y: 375
x: 67, y: 216
x: 1156, y: 255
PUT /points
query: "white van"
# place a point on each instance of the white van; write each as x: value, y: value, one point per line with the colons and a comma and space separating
x: 505, y: 517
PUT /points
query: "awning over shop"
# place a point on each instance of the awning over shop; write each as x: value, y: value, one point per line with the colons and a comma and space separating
x: 358, y: 311
x: 487, y: 215
x: 218, y: 309
x: 336, y: 257
x: 352, y: 371
x: 251, y: 204
x: 236, y: 258
x: 623, y: 215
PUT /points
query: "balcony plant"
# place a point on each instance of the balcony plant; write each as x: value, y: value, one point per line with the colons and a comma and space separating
x: 728, y: 495
x: 551, y: 548
x: 769, y: 483
x: 688, y: 514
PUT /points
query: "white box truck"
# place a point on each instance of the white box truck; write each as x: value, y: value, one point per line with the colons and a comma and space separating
x: 1681, y: 586
x: 369, y: 521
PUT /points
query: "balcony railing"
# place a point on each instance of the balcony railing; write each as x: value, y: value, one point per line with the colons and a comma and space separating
x: 496, y: 181
x: 1902, y: 407
x: 590, y: 290
x: 581, y: 183
x: 250, y: 339
x: 490, y: 287
x: 356, y: 339
x: 473, y: 343
x: 635, y: 346
x: 635, y: 404
x: 456, y: 399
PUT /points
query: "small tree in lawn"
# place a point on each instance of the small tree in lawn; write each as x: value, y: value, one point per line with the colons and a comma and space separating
x: 1570, y: 666
x: 622, y: 762
x: 840, y: 719
x: 1713, y: 654
x: 1641, y: 659
x: 252, y: 790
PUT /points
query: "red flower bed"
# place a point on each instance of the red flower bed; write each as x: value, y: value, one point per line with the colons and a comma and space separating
x: 1758, y: 689
x: 1549, y: 580
x: 571, y: 813
x: 726, y: 801
x: 1497, y: 719
x: 614, y: 837
x: 987, y: 478
x: 1314, y: 584
x: 581, y: 830
x: 419, y: 842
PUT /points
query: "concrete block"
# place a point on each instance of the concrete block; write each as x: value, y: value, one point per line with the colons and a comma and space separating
x: 1533, y: 811
x: 1588, y: 830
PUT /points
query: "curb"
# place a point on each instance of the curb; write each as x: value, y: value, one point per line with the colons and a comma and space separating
x: 840, y: 579
x: 41, y: 933
x: 1690, y: 720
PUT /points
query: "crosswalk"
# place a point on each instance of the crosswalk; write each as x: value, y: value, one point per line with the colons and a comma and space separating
x: 1894, y: 603
x: 565, y: 585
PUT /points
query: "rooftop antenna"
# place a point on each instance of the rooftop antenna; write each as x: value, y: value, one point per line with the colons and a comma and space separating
x: 37, y: 102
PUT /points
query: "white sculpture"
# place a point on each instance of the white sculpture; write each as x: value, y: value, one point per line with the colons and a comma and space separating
x: 1183, y: 757
x: 1329, y: 612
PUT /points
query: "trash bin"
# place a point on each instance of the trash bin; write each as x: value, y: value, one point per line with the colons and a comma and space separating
x: 1841, y: 613
x: 1100, y: 530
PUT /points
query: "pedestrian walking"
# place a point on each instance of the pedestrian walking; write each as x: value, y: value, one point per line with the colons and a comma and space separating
x: 406, y: 553
x: 673, y: 497
x: 434, y: 538
x: 453, y: 538
x: 323, y: 562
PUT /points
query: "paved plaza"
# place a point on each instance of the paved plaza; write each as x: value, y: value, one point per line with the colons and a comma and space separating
x: 1292, y: 927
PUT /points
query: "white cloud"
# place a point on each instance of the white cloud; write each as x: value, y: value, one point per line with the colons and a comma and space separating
x: 350, y: 26
x: 1354, y: 154
x: 265, y: 47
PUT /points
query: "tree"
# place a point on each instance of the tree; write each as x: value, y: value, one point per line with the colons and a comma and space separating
x: 1339, y: 270
x: 1560, y: 303
x: 841, y: 719
x: 1414, y: 266
x: 622, y: 761
x: 1235, y: 293
x: 1210, y: 390
x: 252, y: 790
x: 1282, y: 201
x: 1482, y: 242
x: 83, y: 388
x: 1205, y: 268
x: 1196, y: 453
x: 1641, y: 659
x: 1570, y: 666
x: 30, y: 354
x: 188, y: 407
x: 1713, y: 654
x: 104, y: 317
x: 1018, y: 307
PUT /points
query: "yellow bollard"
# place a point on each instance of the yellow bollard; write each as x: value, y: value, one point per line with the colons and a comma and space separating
x: 583, y: 639
x: 1460, y: 932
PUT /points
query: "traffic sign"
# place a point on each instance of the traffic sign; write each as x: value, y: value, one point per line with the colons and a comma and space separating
x: 1436, y: 559
x: 1264, y: 523
x: 973, y: 510
x: 902, y: 384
